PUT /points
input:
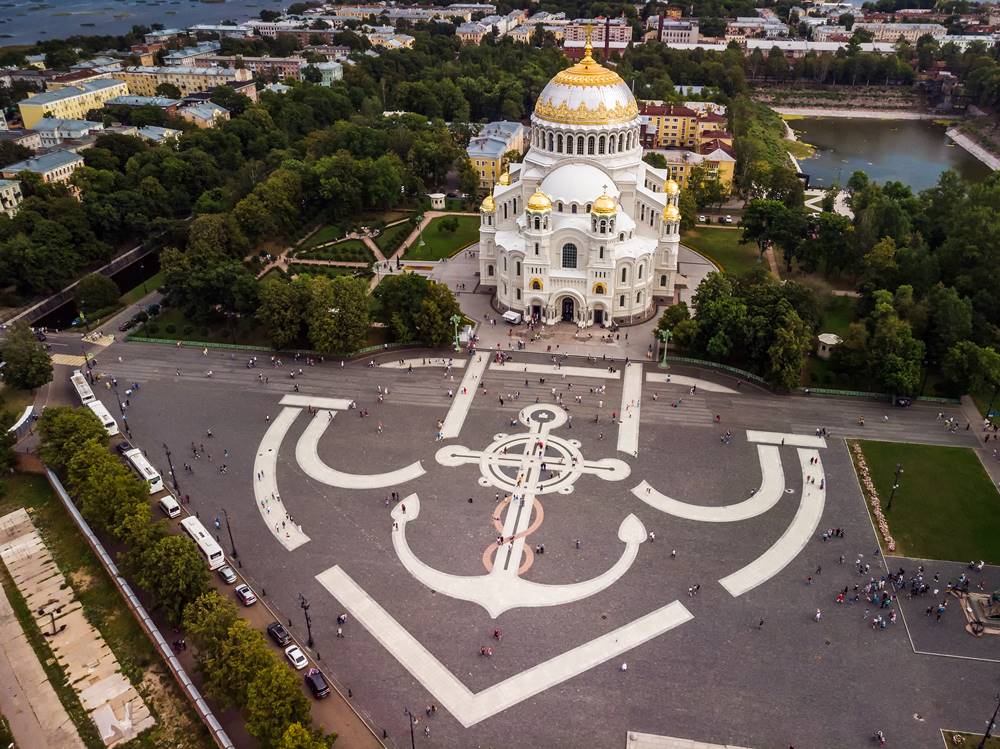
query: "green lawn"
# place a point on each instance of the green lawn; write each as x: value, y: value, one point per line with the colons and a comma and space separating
x: 332, y: 271
x: 15, y: 400
x: 722, y: 246
x: 440, y: 244
x: 134, y: 295
x: 326, y: 234
x: 838, y: 315
x: 105, y: 609
x: 351, y: 250
x: 390, y: 239
x: 946, y: 507
x: 172, y: 324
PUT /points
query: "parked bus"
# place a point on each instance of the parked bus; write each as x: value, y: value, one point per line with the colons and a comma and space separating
x: 102, y: 413
x: 145, y: 469
x: 204, y: 541
x: 82, y: 387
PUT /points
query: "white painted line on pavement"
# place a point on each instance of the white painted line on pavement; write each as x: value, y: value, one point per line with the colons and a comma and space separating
x: 772, y: 487
x: 706, y: 385
x: 452, y: 694
x: 265, y: 482
x: 628, y: 417
x: 795, y: 537
x: 307, y: 454
x: 331, y: 404
x: 461, y: 402
x: 783, y: 438
x: 553, y: 371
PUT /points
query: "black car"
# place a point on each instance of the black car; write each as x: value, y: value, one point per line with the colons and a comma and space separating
x: 128, y: 324
x: 278, y: 633
x: 123, y: 447
x: 317, y: 684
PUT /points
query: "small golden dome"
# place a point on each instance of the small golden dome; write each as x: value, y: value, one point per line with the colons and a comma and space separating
x: 488, y: 205
x: 504, y: 179
x: 539, y: 202
x: 671, y: 188
x: 670, y: 213
x: 605, y: 205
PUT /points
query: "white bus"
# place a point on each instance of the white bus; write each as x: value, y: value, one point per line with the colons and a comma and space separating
x: 102, y: 413
x: 82, y: 387
x: 145, y: 469
x: 204, y: 541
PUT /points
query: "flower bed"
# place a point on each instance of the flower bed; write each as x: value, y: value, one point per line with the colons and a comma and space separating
x: 871, y: 495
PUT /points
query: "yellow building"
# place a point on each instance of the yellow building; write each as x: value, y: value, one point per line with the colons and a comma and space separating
x: 70, y: 102
x: 142, y: 81
x: 487, y: 149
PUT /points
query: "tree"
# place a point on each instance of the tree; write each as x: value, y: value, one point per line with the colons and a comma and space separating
x: 761, y: 222
x: 173, y: 571
x: 207, y: 620
x: 971, y: 368
x: 242, y: 655
x: 655, y: 160
x: 792, y: 342
x: 274, y: 702
x: 448, y: 224
x: 96, y: 292
x: 432, y: 322
x: 63, y: 430
x: 950, y: 321
x: 28, y: 364
x: 336, y: 314
x: 108, y: 493
x: 168, y: 90
x: 11, y: 153
x: 280, y: 310
x: 673, y: 315
x: 297, y: 736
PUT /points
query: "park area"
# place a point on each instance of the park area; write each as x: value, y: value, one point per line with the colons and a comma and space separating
x: 946, y: 506
x: 350, y: 250
x: 438, y: 241
x: 722, y: 247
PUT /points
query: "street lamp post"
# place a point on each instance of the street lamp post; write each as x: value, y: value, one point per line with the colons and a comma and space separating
x: 456, y: 321
x: 895, y: 485
x: 170, y: 462
x: 989, y: 728
x: 664, y: 334
x: 413, y: 740
x: 304, y: 604
x: 229, y: 529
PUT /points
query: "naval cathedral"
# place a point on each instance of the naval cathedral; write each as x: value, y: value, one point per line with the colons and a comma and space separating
x: 583, y: 230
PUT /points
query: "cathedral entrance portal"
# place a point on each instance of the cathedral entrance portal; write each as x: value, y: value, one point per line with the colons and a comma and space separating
x: 536, y: 311
x: 598, y: 317
x: 567, y: 309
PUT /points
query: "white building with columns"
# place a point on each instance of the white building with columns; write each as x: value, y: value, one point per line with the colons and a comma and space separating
x: 582, y: 230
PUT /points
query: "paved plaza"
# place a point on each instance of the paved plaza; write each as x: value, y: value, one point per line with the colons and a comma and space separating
x: 536, y: 547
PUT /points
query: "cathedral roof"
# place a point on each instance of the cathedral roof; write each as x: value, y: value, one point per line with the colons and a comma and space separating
x: 578, y: 183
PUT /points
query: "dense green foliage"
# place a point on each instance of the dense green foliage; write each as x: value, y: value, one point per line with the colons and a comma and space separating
x: 417, y: 309
x: 27, y: 363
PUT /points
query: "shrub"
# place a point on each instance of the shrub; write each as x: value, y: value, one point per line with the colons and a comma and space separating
x: 187, y: 330
x: 152, y: 329
x: 171, y: 329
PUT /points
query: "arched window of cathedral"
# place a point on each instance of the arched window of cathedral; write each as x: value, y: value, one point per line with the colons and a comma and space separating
x: 537, y: 223
x: 569, y: 144
x: 579, y: 144
x: 551, y: 139
x: 536, y: 285
x: 640, y: 271
x: 621, y: 237
x: 600, y: 253
x: 611, y: 143
x: 621, y: 300
x: 559, y: 142
x: 642, y: 212
x: 536, y: 248
x: 621, y: 141
x: 599, y: 288
x: 515, y: 205
x: 505, y: 264
x: 588, y: 207
x: 638, y: 297
x: 600, y: 144
x: 663, y: 280
x: 590, y: 145
x: 574, y: 208
x: 569, y: 255
x: 489, y: 270
x: 559, y: 206
x: 604, y: 226
x: 624, y: 273
x: 505, y: 210
x: 517, y: 268
x: 517, y: 294
x: 504, y: 286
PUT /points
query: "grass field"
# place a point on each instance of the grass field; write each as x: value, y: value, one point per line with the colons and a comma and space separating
x: 105, y: 609
x: 332, y: 271
x: 441, y: 244
x: 326, y: 234
x: 134, y: 295
x: 352, y: 250
x: 946, y: 507
x: 722, y: 246
x: 838, y: 315
x: 172, y: 324
x: 390, y: 239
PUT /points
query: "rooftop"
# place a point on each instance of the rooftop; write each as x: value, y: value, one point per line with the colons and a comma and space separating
x: 87, y: 87
x: 143, y: 101
x: 44, y: 163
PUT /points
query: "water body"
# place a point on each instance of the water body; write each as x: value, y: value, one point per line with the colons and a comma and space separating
x: 25, y: 22
x: 913, y: 152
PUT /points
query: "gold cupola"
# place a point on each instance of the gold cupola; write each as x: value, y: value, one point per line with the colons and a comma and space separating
x: 605, y: 205
x: 670, y: 187
x: 539, y: 202
x: 488, y: 205
x: 670, y: 213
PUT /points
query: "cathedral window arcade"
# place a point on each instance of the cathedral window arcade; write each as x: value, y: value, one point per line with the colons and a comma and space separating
x: 569, y: 255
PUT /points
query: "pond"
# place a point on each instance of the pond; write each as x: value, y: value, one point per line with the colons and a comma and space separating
x: 913, y: 152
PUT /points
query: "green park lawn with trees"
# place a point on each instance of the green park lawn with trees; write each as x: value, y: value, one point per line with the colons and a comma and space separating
x: 443, y: 237
x: 946, y: 506
x: 392, y: 237
x: 350, y: 250
x: 723, y: 247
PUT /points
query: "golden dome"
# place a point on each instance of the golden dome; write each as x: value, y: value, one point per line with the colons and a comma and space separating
x: 504, y: 179
x: 670, y: 213
x: 587, y: 72
x: 488, y: 205
x: 605, y: 205
x: 539, y: 202
x: 670, y: 187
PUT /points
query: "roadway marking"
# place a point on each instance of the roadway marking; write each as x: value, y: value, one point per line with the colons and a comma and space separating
x: 706, y: 385
x: 265, y: 485
x: 772, y: 487
x: 68, y: 360
x: 628, y: 417
x: 331, y: 404
x: 467, y: 707
x: 795, y: 537
x: 307, y: 455
x: 785, y: 438
x: 461, y: 401
x: 553, y: 370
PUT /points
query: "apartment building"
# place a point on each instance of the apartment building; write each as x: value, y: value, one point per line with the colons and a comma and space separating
x: 71, y: 102
x: 165, y: 103
x: 54, y: 167
x: 10, y: 197
x: 142, y: 81
x: 52, y: 131
x: 486, y: 150
x: 188, y: 55
x: 277, y: 68
x: 753, y: 27
x: 670, y: 31
x: 891, y: 32
x: 204, y: 114
x: 27, y: 138
x: 75, y: 78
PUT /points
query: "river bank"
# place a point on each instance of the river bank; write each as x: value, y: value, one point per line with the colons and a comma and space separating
x: 860, y: 114
x: 970, y: 145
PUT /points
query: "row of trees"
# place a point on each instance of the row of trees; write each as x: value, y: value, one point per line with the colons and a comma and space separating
x: 240, y: 669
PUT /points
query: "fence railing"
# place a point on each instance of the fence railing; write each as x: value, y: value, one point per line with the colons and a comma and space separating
x: 874, y: 396
x: 215, y: 728
x: 741, y: 373
x: 249, y: 347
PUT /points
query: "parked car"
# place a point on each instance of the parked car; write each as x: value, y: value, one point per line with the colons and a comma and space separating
x: 296, y: 657
x: 277, y: 632
x: 247, y: 597
x: 727, y: 219
x: 123, y: 447
x: 703, y: 219
x: 128, y: 324
x: 228, y: 574
x: 317, y: 683
x: 40, y: 334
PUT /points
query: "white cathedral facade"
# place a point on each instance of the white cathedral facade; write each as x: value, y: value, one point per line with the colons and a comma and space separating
x: 583, y: 230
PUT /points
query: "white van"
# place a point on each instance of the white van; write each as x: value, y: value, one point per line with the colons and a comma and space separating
x: 169, y: 506
x: 512, y: 317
